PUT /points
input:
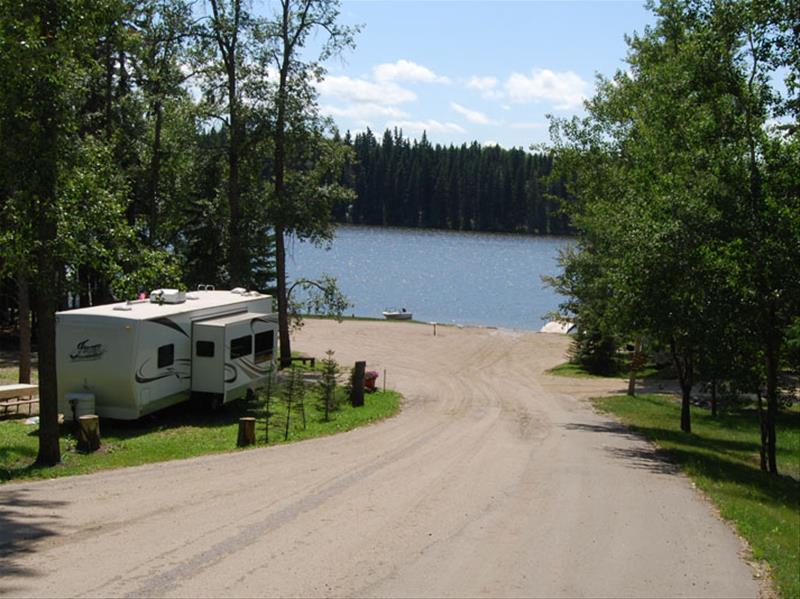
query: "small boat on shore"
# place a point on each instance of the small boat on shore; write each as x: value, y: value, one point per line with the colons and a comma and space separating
x: 396, y: 314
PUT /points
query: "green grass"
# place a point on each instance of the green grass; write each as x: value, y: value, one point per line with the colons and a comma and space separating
x: 721, y: 456
x: 9, y: 375
x: 182, y: 431
x: 570, y: 369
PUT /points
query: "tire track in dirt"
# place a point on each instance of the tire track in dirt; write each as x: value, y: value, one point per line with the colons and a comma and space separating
x: 493, y: 481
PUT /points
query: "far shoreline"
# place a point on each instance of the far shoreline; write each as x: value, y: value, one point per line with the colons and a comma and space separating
x: 401, y: 228
x: 490, y: 327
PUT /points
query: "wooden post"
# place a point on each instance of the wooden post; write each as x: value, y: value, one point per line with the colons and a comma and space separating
x: 247, y: 432
x: 357, y: 392
x: 636, y: 363
x: 89, y: 433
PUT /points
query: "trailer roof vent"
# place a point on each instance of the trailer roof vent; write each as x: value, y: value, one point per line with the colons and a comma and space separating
x: 167, y: 296
x: 239, y: 290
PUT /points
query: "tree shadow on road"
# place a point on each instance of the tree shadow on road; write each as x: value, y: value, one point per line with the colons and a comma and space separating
x: 641, y: 457
x: 646, y: 458
x: 715, y: 459
x: 23, y: 522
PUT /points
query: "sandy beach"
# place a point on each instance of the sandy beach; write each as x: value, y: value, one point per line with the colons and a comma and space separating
x: 494, y: 480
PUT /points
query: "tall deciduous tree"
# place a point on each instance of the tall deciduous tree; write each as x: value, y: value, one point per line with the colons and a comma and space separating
x: 305, y: 165
x: 685, y: 201
x: 229, y: 29
x: 65, y: 187
x: 44, y: 46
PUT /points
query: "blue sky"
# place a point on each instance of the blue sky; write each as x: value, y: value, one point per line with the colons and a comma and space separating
x: 482, y: 70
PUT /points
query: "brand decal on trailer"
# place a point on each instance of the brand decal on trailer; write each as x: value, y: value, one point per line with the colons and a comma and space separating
x: 85, y: 352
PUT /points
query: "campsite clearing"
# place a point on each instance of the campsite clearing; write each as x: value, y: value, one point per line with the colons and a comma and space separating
x: 494, y: 480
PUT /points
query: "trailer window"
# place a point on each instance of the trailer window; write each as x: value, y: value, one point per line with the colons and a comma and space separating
x: 166, y: 355
x: 265, y: 343
x: 204, y: 349
x: 241, y: 346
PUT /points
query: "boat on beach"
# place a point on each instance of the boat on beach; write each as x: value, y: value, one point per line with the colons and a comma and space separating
x: 397, y: 314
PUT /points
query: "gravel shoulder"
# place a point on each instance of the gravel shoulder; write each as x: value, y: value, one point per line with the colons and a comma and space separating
x: 495, y: 480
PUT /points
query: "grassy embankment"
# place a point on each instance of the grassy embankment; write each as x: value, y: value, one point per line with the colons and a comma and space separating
x: 648, y: 371
x: 182, y: 431
x: 721, y: 456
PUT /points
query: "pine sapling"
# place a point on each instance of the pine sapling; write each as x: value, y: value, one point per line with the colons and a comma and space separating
x: 327, y: 386
x: 268, y: 403
x: 293, y: 395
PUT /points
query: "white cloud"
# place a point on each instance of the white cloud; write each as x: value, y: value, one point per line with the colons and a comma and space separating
x: 430, y: 125
x: 529, y: 125
x: 473, y: 116
x: 405, y: 70
x: 365, y: 92
x: 363, y: 111
x: 565, y: 89
x: 485, y: 85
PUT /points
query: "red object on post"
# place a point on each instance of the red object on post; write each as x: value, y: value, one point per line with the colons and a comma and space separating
x: 369, y: 380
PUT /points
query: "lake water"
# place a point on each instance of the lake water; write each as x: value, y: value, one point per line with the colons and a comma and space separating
x: 442, y: 276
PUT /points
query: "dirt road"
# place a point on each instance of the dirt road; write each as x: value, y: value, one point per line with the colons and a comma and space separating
x: 495, y: 480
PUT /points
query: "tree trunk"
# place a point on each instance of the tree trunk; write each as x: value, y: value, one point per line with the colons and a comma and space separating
x: 24, y: 308
x: 683, y: 365
x: 771, y: 357
x: 762, y: 425
x: 227, y: 40
x: 283, y: 300
x: 155, y: 172
x: 108, y: 99
x: 236, y: 266
x: 686, y: 415
x: 88, y: 433
x: 714, y: 398
x: 44, y: 196
x: 84, y: 282
x: 280, y: 192
x: 49, y: 451
x: 288, y: 417
x: 357, y: 381
x: 637, y: 348
x: 247, y: 432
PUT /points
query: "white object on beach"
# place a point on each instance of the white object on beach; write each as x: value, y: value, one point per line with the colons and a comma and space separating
x: 396, y: 314
x: 560, y: 327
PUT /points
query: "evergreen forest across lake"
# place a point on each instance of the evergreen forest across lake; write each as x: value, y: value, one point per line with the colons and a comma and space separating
x: 411, y: 183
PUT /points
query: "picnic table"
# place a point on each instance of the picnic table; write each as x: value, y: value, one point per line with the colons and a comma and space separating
x: 14, y: 396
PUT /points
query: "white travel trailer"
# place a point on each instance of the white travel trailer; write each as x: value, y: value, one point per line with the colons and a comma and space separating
x: 137, y: 357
